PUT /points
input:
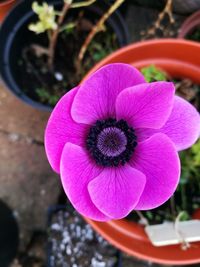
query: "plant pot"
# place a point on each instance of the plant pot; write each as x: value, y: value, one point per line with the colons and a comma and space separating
x: 189, y: 25
x: 9, y: 235
x: 181, y: 59
x: 14, y: 35
x: 185, y: 7
x: 5, y: 6
x: 71, y: 238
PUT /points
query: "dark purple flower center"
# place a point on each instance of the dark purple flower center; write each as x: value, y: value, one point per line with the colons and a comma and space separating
x: 111, y: 142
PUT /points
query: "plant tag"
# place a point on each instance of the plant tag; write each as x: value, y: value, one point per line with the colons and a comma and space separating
x: 171, y: 233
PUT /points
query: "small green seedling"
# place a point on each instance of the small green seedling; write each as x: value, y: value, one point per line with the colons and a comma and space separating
x: 152, y: 74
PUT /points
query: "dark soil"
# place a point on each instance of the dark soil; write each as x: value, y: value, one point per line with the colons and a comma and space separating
x: 35, y: 252
x: 46, y: 86
x: 186, y: 197
x: 73, y: 243
x: 194, y: 35
x: 189, y: 91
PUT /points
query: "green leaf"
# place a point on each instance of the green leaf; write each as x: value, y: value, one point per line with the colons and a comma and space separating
x: 152, y: 73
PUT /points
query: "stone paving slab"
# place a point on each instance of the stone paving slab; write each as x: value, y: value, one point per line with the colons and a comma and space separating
x: 27, y: 182
x: 27, y: 185
x: 19, y: 118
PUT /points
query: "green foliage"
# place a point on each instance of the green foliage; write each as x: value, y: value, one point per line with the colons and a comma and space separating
x: 152, y: 73
x: 68, y: 27
x: 99, y: 51
x: 190, y: 159
x: 45, y: 96
x: 190, y: 176
x: 183, y: 216
x: 195, y: 149
x: 195, y: 36
x: 101, y: 46
x: 47, y: 18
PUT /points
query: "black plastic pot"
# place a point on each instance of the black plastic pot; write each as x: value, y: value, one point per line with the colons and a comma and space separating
x: 51, y: 212
x: 14, y: 34
x: 9, y: 235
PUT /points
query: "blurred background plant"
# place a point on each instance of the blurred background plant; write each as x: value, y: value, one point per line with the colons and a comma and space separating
x: 152, y: 74
x: 65, y: 35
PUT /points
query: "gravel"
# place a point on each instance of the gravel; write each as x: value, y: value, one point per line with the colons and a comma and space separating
x: 73, y: 243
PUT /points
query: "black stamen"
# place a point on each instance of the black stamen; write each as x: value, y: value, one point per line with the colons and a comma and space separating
x: 111, y: 142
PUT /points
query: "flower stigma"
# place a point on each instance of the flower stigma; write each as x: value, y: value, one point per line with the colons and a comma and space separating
x: 111, y: 142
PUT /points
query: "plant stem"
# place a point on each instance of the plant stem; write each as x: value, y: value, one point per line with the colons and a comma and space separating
x: 172, y: 206
x: 54, y: 35
x: 167, y: 10
x: 143, y: 219
x: 98, y: 27
x: 83, y: 4
x: 32, y: 67
x: 157, y: 24
x: 184, y: 244
x: 183, y: 197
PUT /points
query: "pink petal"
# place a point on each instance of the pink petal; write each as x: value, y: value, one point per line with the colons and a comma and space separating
x: 77, y: 171
x: 182, y: 127
x: 61, y: 129
x: 146, y: 105
x: 157, y: 158
x: 116, y: 191
x: 144, y: 133
x: 96, y: 97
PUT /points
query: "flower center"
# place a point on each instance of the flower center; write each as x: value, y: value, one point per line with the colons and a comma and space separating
x: 111, y: 142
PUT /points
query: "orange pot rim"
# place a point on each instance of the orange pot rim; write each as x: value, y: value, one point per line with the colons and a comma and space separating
x: 178, y: 57
x: 7, y: 2
x: 143, y: 44
x: 5, y: 8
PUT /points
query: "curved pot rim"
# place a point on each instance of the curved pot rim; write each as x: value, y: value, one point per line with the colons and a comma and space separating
x: 142, y: 45
x: 7, y: 2
x: 129, y: 236
x: 189, y: 24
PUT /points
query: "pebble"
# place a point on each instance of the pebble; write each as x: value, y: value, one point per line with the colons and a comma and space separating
x: 75, y: 244
x: 58, y: 76
x: 13, y: 137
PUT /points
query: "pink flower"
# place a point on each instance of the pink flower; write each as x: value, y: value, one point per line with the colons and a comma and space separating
x: 114, y: 140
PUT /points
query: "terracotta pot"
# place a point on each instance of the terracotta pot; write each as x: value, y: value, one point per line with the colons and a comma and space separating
x: 189, y: 25
x: 196, y: 215
x: 186, y: 6
x: 5, y: 6
x: 179, y: 58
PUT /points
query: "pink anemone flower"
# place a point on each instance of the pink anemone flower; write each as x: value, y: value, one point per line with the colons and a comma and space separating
x: 115, y: 140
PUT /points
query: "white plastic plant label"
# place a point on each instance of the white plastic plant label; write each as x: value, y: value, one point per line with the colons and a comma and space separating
x: 165, y: 234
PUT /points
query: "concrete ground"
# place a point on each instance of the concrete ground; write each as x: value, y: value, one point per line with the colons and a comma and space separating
x: 27, y: 183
